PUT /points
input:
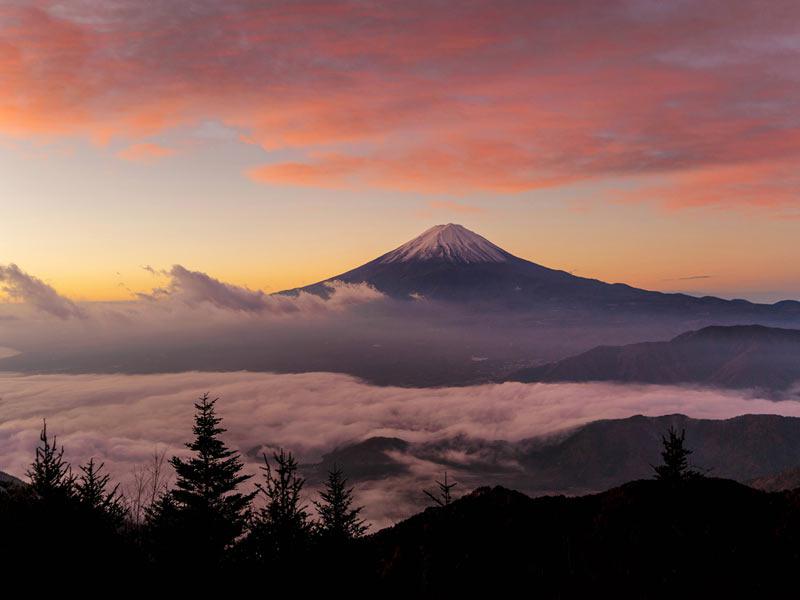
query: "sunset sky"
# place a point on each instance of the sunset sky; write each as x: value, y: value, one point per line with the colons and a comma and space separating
x: 273, y: 144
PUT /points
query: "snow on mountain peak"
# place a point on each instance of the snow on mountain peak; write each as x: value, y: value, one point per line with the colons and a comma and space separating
x: 451, y: 243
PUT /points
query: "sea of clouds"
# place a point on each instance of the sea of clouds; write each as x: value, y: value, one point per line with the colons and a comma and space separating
x: 121, y: 419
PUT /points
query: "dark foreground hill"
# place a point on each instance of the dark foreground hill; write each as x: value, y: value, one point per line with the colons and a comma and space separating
x: 685, y: 536
x: 738, y: 357
x: 645, y: 539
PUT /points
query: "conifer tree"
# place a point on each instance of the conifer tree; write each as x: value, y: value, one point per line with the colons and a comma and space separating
x: 165, y: 525
x: 205, y: 502
x: 675, y: 455
x: 92, y: 491
x: 339, y: 520
x: 444, y: 496
x: 282, y: 528
x: 51, y: 476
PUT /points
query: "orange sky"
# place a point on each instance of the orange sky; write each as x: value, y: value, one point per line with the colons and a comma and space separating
x: 273, y: 144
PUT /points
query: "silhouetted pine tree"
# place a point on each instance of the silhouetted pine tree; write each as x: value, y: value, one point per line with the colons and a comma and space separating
x: 675, y: 455
x: 92, y: 491
x: 204, y: 514
x: 339, y: 520
x: 51, y: 476
x: 444, y: 496
x: 281, y: 530
x: 65, y: 508
x: 164, y: 530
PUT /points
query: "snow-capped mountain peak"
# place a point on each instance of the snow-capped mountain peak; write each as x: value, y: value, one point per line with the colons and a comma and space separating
x: 450, y: 243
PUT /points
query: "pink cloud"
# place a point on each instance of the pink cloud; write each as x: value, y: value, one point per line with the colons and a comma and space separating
x: 772, y: 184
x: 451, y: 96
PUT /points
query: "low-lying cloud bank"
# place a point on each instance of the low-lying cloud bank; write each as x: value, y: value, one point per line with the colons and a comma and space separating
x: 188, y: 308
x: 23, y: 287
x: 195, y: 288
x: 121, y: 418
x: 184, y: 289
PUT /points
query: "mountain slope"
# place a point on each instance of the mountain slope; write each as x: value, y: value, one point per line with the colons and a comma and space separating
x: 739, y: 357
x: 594, y: 457
x: 9, y: 481
x: 452, y: 263
x: 788, y: 479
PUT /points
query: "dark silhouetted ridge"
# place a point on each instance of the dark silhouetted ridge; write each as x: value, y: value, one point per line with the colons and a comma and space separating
x: 738, y: 356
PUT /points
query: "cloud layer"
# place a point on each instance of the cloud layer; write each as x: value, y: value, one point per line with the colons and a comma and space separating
x: 446, y: 96
x: 188, y: 289
x: 19, y: 285
x: 121, y: 418
x: 195, y: 288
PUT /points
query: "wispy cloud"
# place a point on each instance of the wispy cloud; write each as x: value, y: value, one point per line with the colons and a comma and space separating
x: 688, y: 278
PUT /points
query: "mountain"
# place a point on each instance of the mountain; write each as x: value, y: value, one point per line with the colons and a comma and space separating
x: 777, y: 482
x: 704, y: 539
x: 367, y: 460
x: 590, y: 458
x: 606, y: 453
x: 460, y: 310
x: 742, y: 356
x: 449, y: 262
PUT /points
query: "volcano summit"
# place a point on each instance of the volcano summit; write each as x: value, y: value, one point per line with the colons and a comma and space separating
x: 448, y: 243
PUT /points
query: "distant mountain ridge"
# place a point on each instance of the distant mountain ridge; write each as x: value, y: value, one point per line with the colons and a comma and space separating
x: 739, y: 357
x: 788, y: 479
x: 589, y: 458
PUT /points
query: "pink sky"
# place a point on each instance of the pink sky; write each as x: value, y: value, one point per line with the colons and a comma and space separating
x: 454, y: 108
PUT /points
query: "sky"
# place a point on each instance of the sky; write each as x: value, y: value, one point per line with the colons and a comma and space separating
x: 273, y: 144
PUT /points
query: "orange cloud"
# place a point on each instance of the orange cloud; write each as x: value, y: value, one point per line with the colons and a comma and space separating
x: 145, y: 152
x: 474, y: 165
x: 433, y: 97
x: 330, y: 170
x: 766, y: 184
